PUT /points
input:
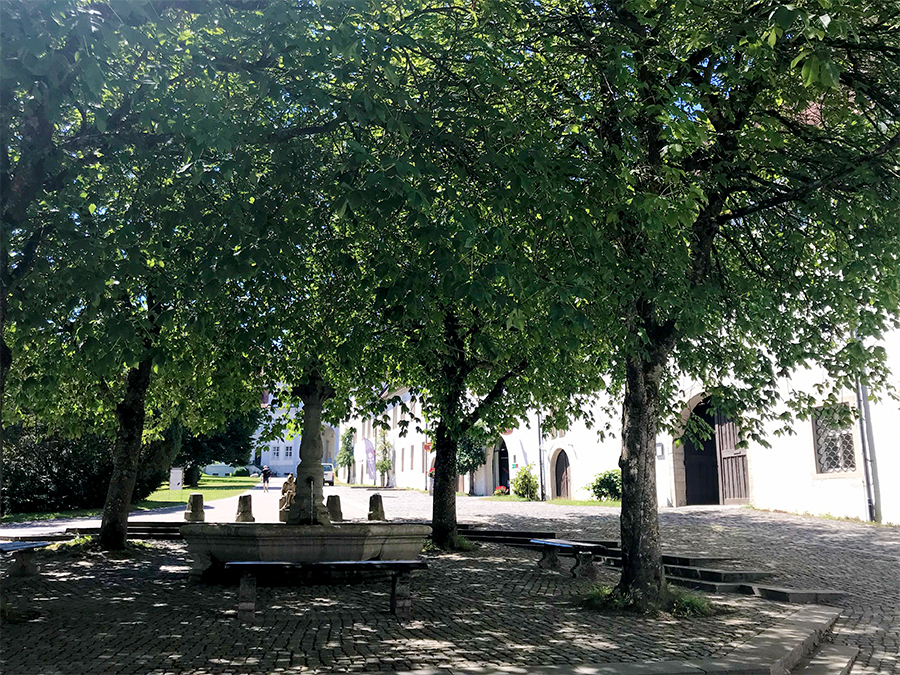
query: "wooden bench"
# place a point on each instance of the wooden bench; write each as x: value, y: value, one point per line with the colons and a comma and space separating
x: 23, y: 563
x: 582, y: 551
x: 401, y: 601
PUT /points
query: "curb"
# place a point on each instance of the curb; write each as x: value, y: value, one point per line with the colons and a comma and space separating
x: 775, y: 651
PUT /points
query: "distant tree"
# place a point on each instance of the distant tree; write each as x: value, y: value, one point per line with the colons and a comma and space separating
x: 231, y: 444
x: 470, y: 454
x: 345, y: 456
x: 385, y: 454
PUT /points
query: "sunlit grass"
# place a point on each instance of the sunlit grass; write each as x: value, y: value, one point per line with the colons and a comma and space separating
x: 211, y: 487
x: 585, y: 502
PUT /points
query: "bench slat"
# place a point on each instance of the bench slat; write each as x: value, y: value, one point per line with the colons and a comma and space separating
x: 13, y: 546
x: 378, y: 565
x: 565, y: 543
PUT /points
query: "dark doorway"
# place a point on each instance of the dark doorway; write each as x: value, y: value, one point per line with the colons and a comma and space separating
x: 503, y: 459
x: 701, y: 466
x: 563, y: 476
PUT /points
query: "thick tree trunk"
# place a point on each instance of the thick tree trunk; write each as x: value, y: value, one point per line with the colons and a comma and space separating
x: 443, y: 514
x: 642, y: 582
x: 130, y: 414
x: 309, y: 504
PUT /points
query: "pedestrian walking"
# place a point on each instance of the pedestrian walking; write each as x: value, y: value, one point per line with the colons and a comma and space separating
x: 266, y: 475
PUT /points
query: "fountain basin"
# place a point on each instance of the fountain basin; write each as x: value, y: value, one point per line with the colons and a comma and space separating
x: 211, y: 545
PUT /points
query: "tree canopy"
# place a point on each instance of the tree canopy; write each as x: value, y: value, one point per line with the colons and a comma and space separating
x: 501, y: 205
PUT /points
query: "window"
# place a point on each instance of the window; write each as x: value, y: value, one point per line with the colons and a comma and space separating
x: 276, y: 450
x: 289, y: 451
x: 412, y: 457
x: 833, y: 439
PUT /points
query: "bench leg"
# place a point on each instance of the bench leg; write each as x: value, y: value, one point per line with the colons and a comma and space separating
x: 550, y: 558
x: 401, y: 601
x: 247, y: 599
x: 23, y: 564
x: 584, y: 565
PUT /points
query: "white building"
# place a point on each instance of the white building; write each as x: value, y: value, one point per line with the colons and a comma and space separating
x: 282, y: 454
x: 817, y: 469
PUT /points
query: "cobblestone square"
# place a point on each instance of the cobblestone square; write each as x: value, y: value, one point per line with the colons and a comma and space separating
x: 491, y: 607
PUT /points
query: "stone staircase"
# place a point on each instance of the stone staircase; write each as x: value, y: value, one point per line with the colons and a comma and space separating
x: 696, y: 572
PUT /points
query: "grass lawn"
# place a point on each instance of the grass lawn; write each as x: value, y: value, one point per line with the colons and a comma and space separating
x: 211, y: 487
x: 556, y: 502
x: 585, y: 502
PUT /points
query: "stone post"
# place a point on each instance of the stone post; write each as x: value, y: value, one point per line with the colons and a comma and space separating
x: 333, y: 504
x: 245, y: 510
x: 194, y: 511
x: 309, y: 504
x: 376, y: 508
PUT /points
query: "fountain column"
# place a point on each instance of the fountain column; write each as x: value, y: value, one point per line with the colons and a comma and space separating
x: 309, y: 507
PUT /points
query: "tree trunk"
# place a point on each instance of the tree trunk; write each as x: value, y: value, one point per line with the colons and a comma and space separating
x: 443, y: 514
x: 130, y: 414
x: 5, y: 365
x: 642, y: 582
x: 309, y: 504
x: 471, y: 483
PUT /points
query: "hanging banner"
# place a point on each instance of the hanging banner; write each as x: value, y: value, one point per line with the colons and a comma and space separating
x: 370, y: 459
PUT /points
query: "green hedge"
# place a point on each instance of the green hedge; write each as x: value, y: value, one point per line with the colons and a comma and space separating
x: 47, y: 472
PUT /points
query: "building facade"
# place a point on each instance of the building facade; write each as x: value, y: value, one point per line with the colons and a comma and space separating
x: 819, y: 468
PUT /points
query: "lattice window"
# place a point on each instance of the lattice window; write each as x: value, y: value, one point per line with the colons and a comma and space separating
x: 833, y: 438
x: 289, y: 451
x: 276, y: 450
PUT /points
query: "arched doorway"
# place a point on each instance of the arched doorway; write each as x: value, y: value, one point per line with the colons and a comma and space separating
x: 701, y: 465
x: 715, y: 470
x: 562, y: 471
x: 503, y: 465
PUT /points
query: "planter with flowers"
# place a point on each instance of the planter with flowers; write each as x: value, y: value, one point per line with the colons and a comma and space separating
x: 501, y: 491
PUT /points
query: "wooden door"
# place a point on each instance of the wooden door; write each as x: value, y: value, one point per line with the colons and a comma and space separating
x: 701, y: 471
x: 733, y: 475
x: 503, y: 458
x: 563, y: 484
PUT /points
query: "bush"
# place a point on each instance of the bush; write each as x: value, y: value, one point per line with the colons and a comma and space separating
x: 525, y: 484
x: 501, y: 491
x: 241, y: 471
x: 607, y: 486
x: 46, y: 472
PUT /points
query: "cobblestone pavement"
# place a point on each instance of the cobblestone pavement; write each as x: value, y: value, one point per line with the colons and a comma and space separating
x: 491, y: 607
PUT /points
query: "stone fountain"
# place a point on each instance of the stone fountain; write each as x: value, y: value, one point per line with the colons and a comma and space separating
x: 306, y: 533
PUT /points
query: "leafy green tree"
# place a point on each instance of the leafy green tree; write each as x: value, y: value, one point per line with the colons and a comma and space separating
x: 385, y: 453
x: 731, y: 194
x: 470, y: 455
x: 84, y: 120
x: 345, y: 457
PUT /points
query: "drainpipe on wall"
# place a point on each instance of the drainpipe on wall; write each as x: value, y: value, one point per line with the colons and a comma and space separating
x: 867, y: 438
x: 541, y: 457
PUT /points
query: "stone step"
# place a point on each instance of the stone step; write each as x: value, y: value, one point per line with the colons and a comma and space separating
x: 518, y: 534
x: 709, y: 586
x: 796, y: 595
x: 692, y: 560
x: 709, y: 574
x: 829, y: 660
